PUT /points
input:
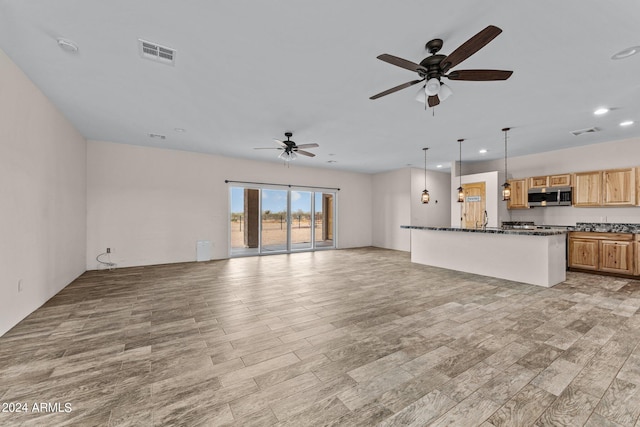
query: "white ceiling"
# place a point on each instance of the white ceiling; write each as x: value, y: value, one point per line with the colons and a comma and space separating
x: 248, y: 70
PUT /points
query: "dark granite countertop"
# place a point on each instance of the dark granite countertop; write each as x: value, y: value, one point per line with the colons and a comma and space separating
x: 603, y: 227
x: 490, y: 230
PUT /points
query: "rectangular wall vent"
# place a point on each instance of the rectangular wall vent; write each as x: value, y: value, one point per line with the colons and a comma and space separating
x: 156, y: 52
x: 581, y: 131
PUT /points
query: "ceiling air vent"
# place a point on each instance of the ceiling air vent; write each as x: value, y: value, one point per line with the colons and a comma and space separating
x: 156, y: 52
x: 581, y: 131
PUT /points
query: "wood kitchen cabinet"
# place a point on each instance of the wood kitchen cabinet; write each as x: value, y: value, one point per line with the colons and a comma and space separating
x: 619, y: 187
x: 538, y: 182
x: 636, y: 249
x: 563, y: 180
x: 583, y: 253
x: 587, y: 189
x: 606, y: 252
x: 519, y: 196
x: 616, y: 256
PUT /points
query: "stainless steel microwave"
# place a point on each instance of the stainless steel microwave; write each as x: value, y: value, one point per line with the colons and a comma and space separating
x: 550, y: 196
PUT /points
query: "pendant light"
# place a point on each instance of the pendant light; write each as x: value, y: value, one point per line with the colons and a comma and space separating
x: 425, y: 194
x: 506, y: 187
x: 460, y: 190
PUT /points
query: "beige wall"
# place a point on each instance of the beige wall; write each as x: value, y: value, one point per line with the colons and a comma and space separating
x: 42, y: 197
x: 151, y: 205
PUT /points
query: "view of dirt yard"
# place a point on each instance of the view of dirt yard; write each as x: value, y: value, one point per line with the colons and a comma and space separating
x: 274, y: 232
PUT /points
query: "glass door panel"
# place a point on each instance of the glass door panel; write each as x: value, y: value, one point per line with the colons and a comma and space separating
x: 324, y: 220
x: 274, y: 221
x: 245, y: 221
x: 301, y: 220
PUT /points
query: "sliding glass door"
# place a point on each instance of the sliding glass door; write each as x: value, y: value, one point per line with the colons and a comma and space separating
x: 267, y: 220
x: 275, y: 223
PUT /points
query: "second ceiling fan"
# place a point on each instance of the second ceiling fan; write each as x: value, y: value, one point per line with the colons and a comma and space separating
x: 433, y: 68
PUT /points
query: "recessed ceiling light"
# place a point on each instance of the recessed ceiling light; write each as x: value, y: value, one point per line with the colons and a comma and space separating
x: 67, y: 45
x: 626, y: 123
x: 179, y: 130
x: 625, y: 53
x: 483, y: 151
x: 439, y: 166
x: 601, y: 111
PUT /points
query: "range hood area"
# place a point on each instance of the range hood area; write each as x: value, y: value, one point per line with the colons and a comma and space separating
x: 549, y: 196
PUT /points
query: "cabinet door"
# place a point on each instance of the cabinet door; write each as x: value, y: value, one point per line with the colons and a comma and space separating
x: 587, y: 189
x: 616, y: 257
x: 583, y: 253
x: 519, y: 195
x: 636, y: 249
x: 538, y: 182
x: 619, y: 187
x: 563, y: 180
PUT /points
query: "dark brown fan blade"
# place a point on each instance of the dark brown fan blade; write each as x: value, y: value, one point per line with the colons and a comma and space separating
x: 470, y: 47
x: 395, y: 89
x: 433, y: 101
x: 313, y: 145
x: 399, y: 62
x: 479, y: 75
x: 305, y: 153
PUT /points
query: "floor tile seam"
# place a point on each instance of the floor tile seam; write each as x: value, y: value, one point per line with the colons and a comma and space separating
x: 270, y: 401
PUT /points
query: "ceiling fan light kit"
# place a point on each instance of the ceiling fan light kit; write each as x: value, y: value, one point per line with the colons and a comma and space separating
x: 290, y: 150
x: 433, y: 68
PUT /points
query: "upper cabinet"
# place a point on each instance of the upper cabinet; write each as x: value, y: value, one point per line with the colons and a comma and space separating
x: 538, y: 181
x: 619, y: 187
x: 563, y: 180
x: 587, y: 189
x: 519, y: 194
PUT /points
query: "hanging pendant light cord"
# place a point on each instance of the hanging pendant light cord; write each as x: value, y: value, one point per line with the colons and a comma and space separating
x: 505, y: 155
x: 460, y: 173
x: 425, y: 168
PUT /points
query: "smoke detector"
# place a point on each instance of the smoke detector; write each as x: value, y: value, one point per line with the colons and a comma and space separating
x: 582, y: 131
x: 155, y: 52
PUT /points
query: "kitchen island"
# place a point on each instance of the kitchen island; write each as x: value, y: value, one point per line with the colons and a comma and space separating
x: 537, y: 256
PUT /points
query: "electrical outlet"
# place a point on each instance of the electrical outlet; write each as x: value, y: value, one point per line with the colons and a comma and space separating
x: 108, y: 250
x: 19, y: 285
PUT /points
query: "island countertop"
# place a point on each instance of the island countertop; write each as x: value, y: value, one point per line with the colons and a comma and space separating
x: 491, y: 230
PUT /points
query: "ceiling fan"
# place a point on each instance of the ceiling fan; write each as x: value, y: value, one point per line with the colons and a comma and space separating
x: 290, y: 149
x: 433, y: 68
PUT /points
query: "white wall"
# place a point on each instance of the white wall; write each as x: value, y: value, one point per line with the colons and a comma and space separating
x: 391, y: 208
x: 43, y: 197
x: 609, y: 155
x: 437, y: 212
x: 396, y: 202
x: 151, y: 205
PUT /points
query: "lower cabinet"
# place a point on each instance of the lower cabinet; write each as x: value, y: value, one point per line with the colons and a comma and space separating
x: 583, y: 253
x: 606, y: 252
x: 637, y: 252
x: 616, y: 257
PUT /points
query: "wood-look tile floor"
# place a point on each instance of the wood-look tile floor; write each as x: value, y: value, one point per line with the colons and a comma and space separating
x: 345, y: 338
